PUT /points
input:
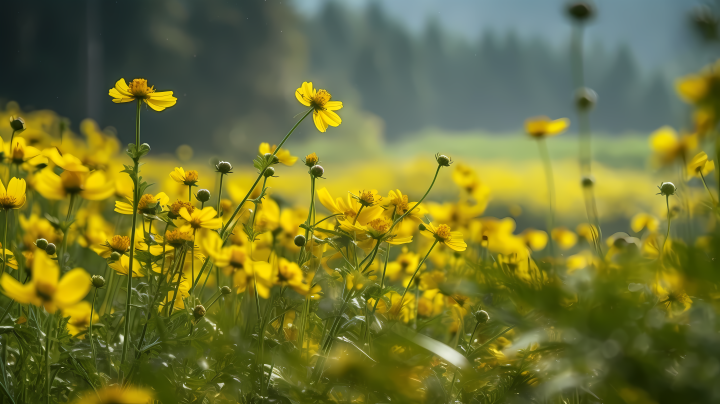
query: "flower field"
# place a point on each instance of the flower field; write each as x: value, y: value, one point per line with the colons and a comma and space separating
x: 304, y: 277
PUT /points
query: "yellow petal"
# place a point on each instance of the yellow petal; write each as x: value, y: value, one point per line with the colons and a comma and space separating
x: 72, y: 288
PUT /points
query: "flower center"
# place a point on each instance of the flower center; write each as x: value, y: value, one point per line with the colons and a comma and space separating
x: 443, y: 233
x: 18, y: 154
x: 191, y: 177
x: 320, y: 99
x: 146, y: 202
x: 45, y: 291
x: 139, y: 88
x: 401, y: 204
x: 176, y: 206
x: 379, y: 225
x: 349, y: 213
x: 71, y: 181
x: 8, y: 201
x: 237, y: 259
x: 120, y: 243
x: 367, y: 198
x: 177, y: 237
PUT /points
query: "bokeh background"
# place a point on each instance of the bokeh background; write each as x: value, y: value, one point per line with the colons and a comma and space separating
x: 416, y: 77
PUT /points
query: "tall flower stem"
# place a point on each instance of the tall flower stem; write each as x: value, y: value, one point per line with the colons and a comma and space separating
x: 399, y: 219
x: 4, y: 241
x: 550, y: 180
x: 136, y: 199
x: 220, y: 194
x: 412, y: 278
x: 48, y: 331
x: 667, y: 235
x: 712, y: 198
x: 66, y: 227
x: 90, y: 330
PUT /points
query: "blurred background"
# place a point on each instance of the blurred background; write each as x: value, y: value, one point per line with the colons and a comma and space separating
x: 416, y: 77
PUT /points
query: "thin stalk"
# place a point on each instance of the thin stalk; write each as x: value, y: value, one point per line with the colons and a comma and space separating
x: 219, y: 195
x: 412, y: 278
x: 48, y: 381
x: 706, y: 188
x: 4, y: 241
x: 667, y: 235
x: 550, y: 180
x: 136, y: 199
x: 399, y: 219
x: 90, y: 330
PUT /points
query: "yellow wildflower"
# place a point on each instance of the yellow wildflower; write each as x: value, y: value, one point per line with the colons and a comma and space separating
x: 564, y: 237
x: 644, y: 221
x: 46, y: 288
x: 147, y: 204
x: 204, y: 218
x: 542, y: 126
x: 283, y: 155
x: 139, y: 90
x: 116, y: 244
x: 323, y: 108
x: 19, y: 152
x: 349, y: 208
x: 189, y: 177
x: 667, y: 146
x: 535, y: 239
x: 92, y: 186
x: 14, y: 196
x: 700, y: 166
x: 122, y: 267
x: 79, y: 318
x: 444, y: 235
x: 66, y: 161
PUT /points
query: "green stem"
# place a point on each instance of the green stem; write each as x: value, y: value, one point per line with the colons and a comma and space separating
x: 667, y: 235
x: 136, y: 199
x: 412, y: 278
x: 550, y: 179
x: 708, y: 189
x: 399, y: 219
x: 4, y: 241
x: 48, y: 381
x: 219, y: 195
x: 90, y: 330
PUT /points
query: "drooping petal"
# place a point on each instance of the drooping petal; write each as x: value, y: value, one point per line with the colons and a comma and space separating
x: 319, y: 122
x: 72, y: 288
x: 23, y: 294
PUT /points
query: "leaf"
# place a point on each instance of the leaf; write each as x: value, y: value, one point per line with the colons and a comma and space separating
x: 344, y: 339
x: 438, y: 348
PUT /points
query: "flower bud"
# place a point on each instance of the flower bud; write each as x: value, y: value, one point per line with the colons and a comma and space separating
x: 311, y: 159
x: 443, y: 160
x: 98, y: 281
x: 269, y: 172
x: 225, y: 290
x: 41, y: 243
x: 273, y: 159
x: 317, y: 171
x: 199, y: 312
x: 224, y: 167
x: 299, y: 240
x: 588, y: 181
x: 50, y: 249
x: 202, y: 195
x: 585, y: 98
x: 482, y: 316
x: 115, y: 256
x: 667, y: 188
x: 580, y: 11
x: 17, y: 123
x: 422, y: 227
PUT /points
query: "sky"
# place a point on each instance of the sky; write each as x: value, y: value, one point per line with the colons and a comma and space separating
x: 657, y: 31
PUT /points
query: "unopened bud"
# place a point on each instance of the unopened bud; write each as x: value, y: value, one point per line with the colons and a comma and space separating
x: 667, y: 188
x: 317, y: 171
x: 199, y: 312
x: 114, y: 256
x: 482, y: 316
x: 225, y: 290
x: 300, y: 240
x: 580, y: 11
x: 585, y: 98
x: 443, y: 160
x: 588, y: 181
x: 98, y: 281
x: 17, y: 123
x: 270, y: 158
x: 50, y: 249
x: 422, y: 227
x: 269, y: 172
x: 41, y: 243
x: 203, y: 195
x: 224, y: 167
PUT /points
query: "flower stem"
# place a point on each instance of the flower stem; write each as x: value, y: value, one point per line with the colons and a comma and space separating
x: 48, y: 331
x: 412, y: 278
x: 708, y: 189
x: 219, y: 195
x: 4, y: 241
x: 399, y: 219
x: 136, y: 199
x: 90, y: 330
x: 550, y: 180
x: 667, y: 235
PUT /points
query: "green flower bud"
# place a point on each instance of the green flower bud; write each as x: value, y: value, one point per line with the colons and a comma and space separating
x: 50, y: 249
x: 41, y: 243
x: 224, y: 167
x: 199, y: 312
x: 585, y: 98
x: 299, y: 240
x: 443, y: 160
x: 115, y: 256
x: 269, y: 172
x: 667, y: 188
x: 98, y: 281
x: 580, y: 11
x: 422, y: 227
x: 17, y: 123
x: 202, y: 195
x: 225, y: 290
x: 482, y: 316
x: 317, y: 171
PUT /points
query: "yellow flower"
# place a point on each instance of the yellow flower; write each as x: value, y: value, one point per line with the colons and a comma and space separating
x: 564, y: 237
x: 35, y: 227
x: 399, y: 205
x: 443, y: 234
x: 147, y: 204
x: 397, y: 309
x: 376, y: 229
x: 204, y: 218
x: 283, y: 155
x: 19, y: 152
x: 122, y: 267
x: 117, y: 243
x: 587, y: 231
x: 14, y: 196
x: 79, y: 318
x: 542, y: 126
x: 66, y: 161
x: 311, y: 159
x: 700, y: 165
x: 701, y: 87
x: 178, y: 237
x: 45, y: 288
x: 350, y: 208
x: 405, y: 264
x: 139, y: 90
x: 235, y: 261
x: 115, y: 394
x: 91, y: 186
x: 319, y: 100
x: 535, y: 239
x: 188, y: 178
x: 644, y: 221
x: 667, y: 146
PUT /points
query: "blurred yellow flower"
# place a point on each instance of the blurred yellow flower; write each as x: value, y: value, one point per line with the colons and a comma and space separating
x: 587, y: 231
x: 398, y: 205
x: 115, y: 394
x: 700, y: 87
x: 139, y: 90
x: 394, y: 306
x: 700, y: 166
x: 644, y: 221
x: 443, y: 234
x: 535, y: 239
x: 92, y: 186
x: 542, y: 126
x: 283, y: 155
x: 79, y: 318
x: 204, y: 218
x: 376, y: 229
x: 14, y: 196
x: 319, y: 100
x: 147, y: 204
x: 667, y: 146
x: 66, y: 161
x: 116, y: 244
x: 122, y: 267
x: 564, y: 237
x: 188, y: 178
x: 19, y: 153
x: 46, y: 288
x: 349, y: 208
